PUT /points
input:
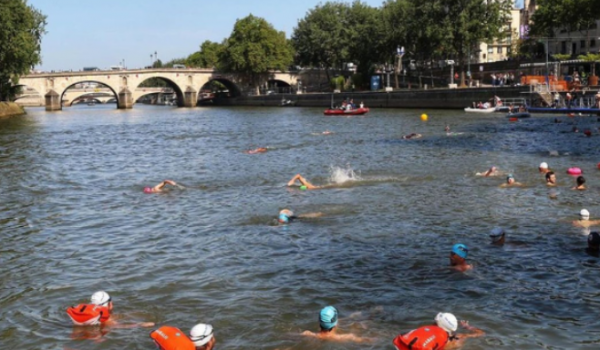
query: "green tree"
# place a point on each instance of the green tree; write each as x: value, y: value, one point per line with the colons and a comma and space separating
x: 207, y: 57
x: 169, y: 64
x: 255, y: 47
x: 322, y: 37
x: 157, y: 64
x: 366, y: 37
x: 21, y: 30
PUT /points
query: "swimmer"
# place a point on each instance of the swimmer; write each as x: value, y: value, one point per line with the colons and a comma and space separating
x: 493, y: 171
x: 593, y: 241
x: 543, y: 168
x: 510, y: 181
x: 579, y: 183
x: 412, y: 136
x: 328, y: 321
x: 550, y: 179
x: 441, y: 335
x: 286, y: 216
x: 256, y: 150
x: 327, y: 132
x: 98, y: 312
x: 458, y: 258
x: 171, y: 338
x: 498, y: 236
x: 305, y: 184
x: 584, y: 220
x: 447, y: 128
x: 159, y: 187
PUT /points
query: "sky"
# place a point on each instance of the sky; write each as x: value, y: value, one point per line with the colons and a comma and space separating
x: 104, y: 33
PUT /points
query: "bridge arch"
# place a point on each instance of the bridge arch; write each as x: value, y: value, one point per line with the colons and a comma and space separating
x: 278, y: 86
x: 177, y: 90
x: 29, y: 96
x: 231, y: 88
x: 70, y: 102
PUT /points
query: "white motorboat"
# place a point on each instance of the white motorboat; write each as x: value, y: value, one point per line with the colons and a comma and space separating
x: 480, y: 110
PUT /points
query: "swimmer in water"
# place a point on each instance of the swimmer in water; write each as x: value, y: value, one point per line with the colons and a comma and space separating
x: 286, y: 216
x: 447, y: 128
x: 441, y: 335
x: 498, y: 236
x: 305, y: 184
x: 550, y: 179
x: 159, y: 187
x: 584, y: 220
x: 543, y: 168
x: 328, y: 321
x: 201, y: 338
x: 256, y: 150
x: 458, y: 258
x: 579, y: 183
x: 493, y: 171
x: 99, y: 312
x: 412, y: 136
x: 510, y: 182
x: 593, y: 247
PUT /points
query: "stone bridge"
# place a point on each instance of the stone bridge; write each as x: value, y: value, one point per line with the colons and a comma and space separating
x: 125, y: 84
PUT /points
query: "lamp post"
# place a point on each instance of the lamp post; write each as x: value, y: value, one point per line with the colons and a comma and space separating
x: 388, y: 71
x: 399, y: 54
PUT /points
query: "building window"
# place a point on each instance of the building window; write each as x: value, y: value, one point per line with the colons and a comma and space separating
x: 484, y: 56
x: 499, y: 49
x: 582, y: 44
x: 490, y: 49
x: 593, y: 43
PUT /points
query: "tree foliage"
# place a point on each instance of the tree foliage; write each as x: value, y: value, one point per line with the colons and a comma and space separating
x: 255, y: 47
x: 21, y: 30
x: 207, y: 57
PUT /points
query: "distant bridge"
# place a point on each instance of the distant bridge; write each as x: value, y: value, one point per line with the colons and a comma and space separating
x: 125, y: 84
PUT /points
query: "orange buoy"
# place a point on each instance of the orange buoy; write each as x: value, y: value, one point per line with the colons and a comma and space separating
x: 571, y: 115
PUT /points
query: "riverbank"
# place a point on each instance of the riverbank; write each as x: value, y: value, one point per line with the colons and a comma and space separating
x: 431, y: 98
x: 10, y: 109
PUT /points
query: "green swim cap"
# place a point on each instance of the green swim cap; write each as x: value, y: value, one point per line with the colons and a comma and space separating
x: 302, y: 187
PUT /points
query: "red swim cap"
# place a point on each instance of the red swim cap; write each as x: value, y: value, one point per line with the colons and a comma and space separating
x: 148, y: 190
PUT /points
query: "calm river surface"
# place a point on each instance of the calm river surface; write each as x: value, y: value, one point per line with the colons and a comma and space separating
x: 74, y: 220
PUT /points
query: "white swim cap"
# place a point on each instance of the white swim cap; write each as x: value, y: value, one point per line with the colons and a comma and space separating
x: 544, y: 165
x: 585, y: 215
x: 201, y: 334
x: 101, y: 298
x: 496, y: 234
x: 447, y: 322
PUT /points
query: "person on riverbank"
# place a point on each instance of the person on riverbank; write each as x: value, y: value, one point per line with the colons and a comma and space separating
x: 550, y: 179
x: 440, y: 335
x: 584, y: 220
x: 543, y: 168
x: 593, y: 242
x: 328, y: 321
x: 493, y: 171
x: 579, y: 183
x: 159, y: 188
x: 99, y: 312
x: 305, y: 184
x: 510, y: 182
x: 458, y: 258
x: 172, y: 338
x: 256, y: 150
x: 286, y: 216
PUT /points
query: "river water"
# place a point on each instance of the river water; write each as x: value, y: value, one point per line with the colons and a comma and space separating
x: 74, y: 220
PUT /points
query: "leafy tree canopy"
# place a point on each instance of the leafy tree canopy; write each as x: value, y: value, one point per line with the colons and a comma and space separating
x: 207, y: 57
x: 21, y: 30
x: 255, y: 47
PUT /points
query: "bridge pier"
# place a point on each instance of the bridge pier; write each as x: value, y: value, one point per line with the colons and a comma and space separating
x: 53, y: 102
x: 125, y: 99
x: 190, y: 97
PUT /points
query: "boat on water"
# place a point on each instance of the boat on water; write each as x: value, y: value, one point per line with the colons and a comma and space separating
x: 518, y: 115
x: 356, y: 111
x: 564, y: 110
x: 480, y: 110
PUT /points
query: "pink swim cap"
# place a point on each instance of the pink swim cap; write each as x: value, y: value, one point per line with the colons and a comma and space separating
x: 148, y: 190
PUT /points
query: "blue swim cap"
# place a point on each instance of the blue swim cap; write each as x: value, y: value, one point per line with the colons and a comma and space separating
x: 328, y: 317
x: 460, y: 250
x: 284, y: 219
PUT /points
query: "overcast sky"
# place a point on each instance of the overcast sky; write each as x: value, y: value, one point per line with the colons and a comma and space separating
x: 104, y: 33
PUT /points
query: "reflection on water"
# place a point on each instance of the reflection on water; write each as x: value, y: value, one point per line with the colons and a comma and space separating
x: 74, y: 219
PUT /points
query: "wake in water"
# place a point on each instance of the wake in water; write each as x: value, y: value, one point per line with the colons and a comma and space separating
x: 338, y: 175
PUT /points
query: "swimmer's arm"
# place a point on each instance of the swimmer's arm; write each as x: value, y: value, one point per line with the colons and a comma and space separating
x: 352, y: 337
x: 460, y: 340
x: 310, y: 215
x: 115, y: 324
x: 293, y: 180
x: 309, y: 334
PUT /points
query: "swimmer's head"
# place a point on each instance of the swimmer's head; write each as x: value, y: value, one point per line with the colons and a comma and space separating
x: 497, y: 235
x: 584, y: 214
x: 461, y: 250
x: 285, y: 215
x: 303, y: 187
x: 101, y: 298
x: 543, y: 166
x: 510, y: 178
x: 594, y: 240
x: 328, y: 318
x: 201, y: 334
x: 447, y: 322
x: 148, y: 190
